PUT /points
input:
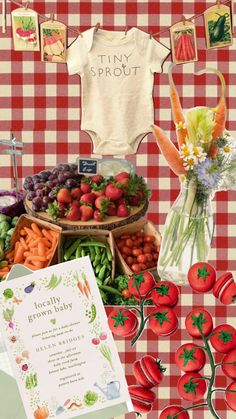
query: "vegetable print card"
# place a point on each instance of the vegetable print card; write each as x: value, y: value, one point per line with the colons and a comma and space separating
x: 62, y: 352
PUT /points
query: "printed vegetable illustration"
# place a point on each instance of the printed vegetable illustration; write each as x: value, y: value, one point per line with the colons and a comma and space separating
x: 27, y: 30
x: 25, y: 367
x: 106, y: 352
x: 41, y: 412
x: 165, y: 294
x: 95, y: 341
x: 225, y: 289
x: 191, y: 387
x: 90, y: 398
x: 53, y: 45
x: 190, y: 358
x: 185, y: 50
x: 223, y: 338
x: 148, y: 371
x: 8, y: 314
x: 169, y: 412
x: 103, y: 336
x: 122, y: 322
x: 229, y: 364
x: 29, y: 288
x: 219, y: 30
x: 198, y: 322
x: 93, y: 313
x: 31, y: 381
x: 54, y: 282
x: 202, y: 277
x: 142, y: 398
x: 8, y: 293
x: 163, y: 321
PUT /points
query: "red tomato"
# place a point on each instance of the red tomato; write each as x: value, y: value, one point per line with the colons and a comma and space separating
x: 199, y: 317
x: 169, y: 412
x: 129, y: 260
x: 122, y: 322
x: 120, y: 244
x: 126, y: 294
x: 125, y: 236
x: 140, y: 234
x: 133, y: 237
x: 139, y: 285
x: 190, y: 387
x: 129, y: 243
x: 149, y: 239
x: 148, y: 371
x: 190, y: 358
x: 165, y: 322
x: 141, y: 258
x: 137, y: 252
x: 126, y: 250
x: 139, y: 241
x: 231, y: 397
x: 223, y: 338
x: 136, y: 267
x: 142, y: 399
x: 165, y: 294
x: 155, y: 256
x: 149, y: 257
x: 147, y: 248
x: 202, y: 277
x: 229, y: 370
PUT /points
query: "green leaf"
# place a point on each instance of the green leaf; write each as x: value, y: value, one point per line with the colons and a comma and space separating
x: 119, y: 319
x: 202, y: 273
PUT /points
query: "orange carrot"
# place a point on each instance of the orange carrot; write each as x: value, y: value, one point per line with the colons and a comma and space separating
x: 169, y: 151
x: 86, y: 291
x: 30, y: 266
x: 38, y: 264
x: 47, y: 234
x: 29, y: 231
x: 5, y: 269
x: 35, y: 251
x: 37, y: 258
x: 23, y: 232
x: 87, y: 286
x: 10, y: 255
x: 26, y: 254
x: 36, y: 229
x: 80, y: 286
x: 41, y: 249
x: 19, y: 254
x: 220, y: 119
x: 3, y: 275
x: 34, y: 243
x: 49, y: 255
x: 23, y: 243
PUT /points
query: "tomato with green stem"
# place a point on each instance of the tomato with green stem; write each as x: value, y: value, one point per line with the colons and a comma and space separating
x: 123, y: 322
x: 192, y: 386
x: 163, y: 321
x: 202, y: 277
x: 190, y: 358
x: 170, y: 411
x: 166, y: 294
x: 229, y: 364
x: 140, y: 284
x: 148, y: 371
x: 199, y: 318
x: 223, y: 338
x: 230, y: 396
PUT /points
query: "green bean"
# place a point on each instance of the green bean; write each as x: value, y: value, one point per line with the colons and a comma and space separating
x: 102, y: 272
x: 71, y: 249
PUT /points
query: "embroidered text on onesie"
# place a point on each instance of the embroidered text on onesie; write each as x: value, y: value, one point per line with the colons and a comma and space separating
x: 117, y: 76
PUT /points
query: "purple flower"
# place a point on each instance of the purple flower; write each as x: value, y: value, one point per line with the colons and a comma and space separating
x: 208, y: 173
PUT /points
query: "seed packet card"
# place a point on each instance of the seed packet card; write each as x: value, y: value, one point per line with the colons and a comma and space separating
x: 53, y: 41
x: 218, y: 28
x: 25, y: 29
x: 61, y: 350
x: 183, y: 42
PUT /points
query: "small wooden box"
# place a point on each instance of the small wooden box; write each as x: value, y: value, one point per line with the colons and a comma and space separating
x: 104, y: 236
x: 26, y: 221
x: 148, y: 228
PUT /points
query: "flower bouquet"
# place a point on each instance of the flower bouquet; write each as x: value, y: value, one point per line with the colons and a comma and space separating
x: 205, y: 161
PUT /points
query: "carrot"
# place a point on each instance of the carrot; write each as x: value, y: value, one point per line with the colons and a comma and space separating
x: 177, y: 111
x: 47, y: 234
x: 41, y: 248
x: 38, y: 264
x: 35, y: 251
x: 34, y: 243
x: 36, y: 258
x: 30, y: 266
x: 49, y: 255
x: 19, y: 254
x: 36, y: 229
x: 3, y: 275
x: 26, y: 254
x: 87, y: 286
x: 169, y: 151
x: 29, y: 231
x: 10, y: 255
x: 86, y: 291
x: 5, y: 269
x: 80, y: 286
x: 23, y: 243
x: 23, y: 232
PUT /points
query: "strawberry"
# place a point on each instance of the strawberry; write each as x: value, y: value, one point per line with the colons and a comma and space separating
x: 112, y: 211
x: 64, y: 196
x: 98, y: 193
x: 136, y: 200
x: 113, y: 192
x: 123, y: 211
x: 75, y: 203
x: 98, y: 216
x: 122, y: 200
x: 85, y: 187
x: 88, y: 198
x: 86, y: 212
x: 62, y: 209
x: 102, y: 203
x: 121, y: 175
x: 73, y: 214
x: 122, y: 182
x: 97, y: 179
x: 76, y: 193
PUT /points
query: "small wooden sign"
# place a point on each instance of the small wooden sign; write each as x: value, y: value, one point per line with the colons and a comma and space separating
x: 87, y: 166
x: 53, y: 41
x: 183, y: 42
x: 218, y: 28
x: 25, y: 29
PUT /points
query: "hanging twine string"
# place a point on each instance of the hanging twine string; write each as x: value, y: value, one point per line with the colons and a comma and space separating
x: 165, y: 30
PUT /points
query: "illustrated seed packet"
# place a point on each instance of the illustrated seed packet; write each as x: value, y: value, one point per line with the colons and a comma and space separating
x: 218, y: 26
x: 60, y: 347
x: 183, y: 42
x: 53, y: 41
x: 25, y: 29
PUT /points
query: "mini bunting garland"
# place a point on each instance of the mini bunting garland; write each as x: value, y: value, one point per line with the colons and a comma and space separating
x: 183, y: 42
x: 53, y: 41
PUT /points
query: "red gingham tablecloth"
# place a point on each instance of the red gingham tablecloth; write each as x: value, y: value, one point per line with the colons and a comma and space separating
x: 40, y: 103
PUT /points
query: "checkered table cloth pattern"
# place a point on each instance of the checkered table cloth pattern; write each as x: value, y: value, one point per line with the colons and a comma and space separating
x: 40, y: 103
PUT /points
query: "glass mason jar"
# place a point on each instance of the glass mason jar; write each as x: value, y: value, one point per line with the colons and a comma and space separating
x: 188, y: 233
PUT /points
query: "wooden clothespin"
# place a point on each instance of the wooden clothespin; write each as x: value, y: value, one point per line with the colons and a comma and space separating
x: 218, y: 2
x: 52, y: 17
x: 26, y: 5
x: 126, y: 30
x: 97, y: 26
x: 184, y: 20
x: 150, y: 35
x: 80, y: 33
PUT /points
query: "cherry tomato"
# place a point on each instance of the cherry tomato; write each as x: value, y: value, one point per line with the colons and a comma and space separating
x: 147, y: 248
x: 120, y: 243
x: 125, y: 236
x: 137, y: 251
x: 140, y: 234
x: 143, y: 282
x: 136, y: 267
x: 165, y: 321
x: 149, y: 257
x: 129, y: 260
x: 228, y: 368
x: 223, y: 338
x: 202, y: 277
x: 143, y: 266
x: 231, y: 396
x: 129, y: 243
x: 141, y: 258
x: 149, y: 239
x: 170, y: 411
x: 125, y: 293
x: 199, y: 318
x: 126, y: 250
x: 133, y: 237
x: 155, y: 256
x: 139, y: 241
x: 190, y: 358
x: 191, y: 387
x: 122, y: 322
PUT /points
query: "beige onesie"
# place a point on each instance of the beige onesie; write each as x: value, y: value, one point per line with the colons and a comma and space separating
x: 117, y: 77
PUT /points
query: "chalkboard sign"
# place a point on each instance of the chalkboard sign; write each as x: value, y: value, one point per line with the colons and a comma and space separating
x: 87, y: 166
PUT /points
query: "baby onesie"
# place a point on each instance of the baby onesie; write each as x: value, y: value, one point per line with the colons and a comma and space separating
x: 117, y: 77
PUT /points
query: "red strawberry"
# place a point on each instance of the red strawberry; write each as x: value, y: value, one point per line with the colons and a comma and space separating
x: 113, y: 192
x: 64, y: 196
x: 97, y: 179
x: 112, y: 211
x: 98, y: 215
x: 76, y: 193
x: 73, y: 214
x: 63, y: 209
x: 136, y: 199
x: 102, y: 203
x: 122, y: 211
x: 122, y: 200
x: 75, y: 203
x: 86, y: 213
x: 88, y: 198
x: 99, y: 193
x: 85, y: 187
x: 121, y: 175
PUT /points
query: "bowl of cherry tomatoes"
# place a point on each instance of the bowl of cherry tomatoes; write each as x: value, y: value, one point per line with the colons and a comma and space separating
x: 137, y: 247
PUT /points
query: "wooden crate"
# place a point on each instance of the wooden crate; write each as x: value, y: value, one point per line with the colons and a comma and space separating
x: 26, y: 221
x: 104, y: 236
x: 149, y: 228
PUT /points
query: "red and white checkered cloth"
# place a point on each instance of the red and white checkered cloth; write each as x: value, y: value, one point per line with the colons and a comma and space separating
x: 40, y: 103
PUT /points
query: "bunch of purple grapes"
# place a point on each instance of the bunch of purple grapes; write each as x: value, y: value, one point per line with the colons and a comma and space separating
x: 42, y: 188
